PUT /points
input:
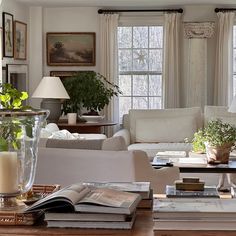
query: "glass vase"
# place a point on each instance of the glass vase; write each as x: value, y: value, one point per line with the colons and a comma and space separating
x: 19, y: 137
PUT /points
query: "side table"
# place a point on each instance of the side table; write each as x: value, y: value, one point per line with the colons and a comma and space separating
x: 86, y: 127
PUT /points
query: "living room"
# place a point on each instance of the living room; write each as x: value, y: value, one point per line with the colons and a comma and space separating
x: 197, y: 65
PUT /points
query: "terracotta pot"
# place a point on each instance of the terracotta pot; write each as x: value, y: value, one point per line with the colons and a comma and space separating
x: 218, y: 154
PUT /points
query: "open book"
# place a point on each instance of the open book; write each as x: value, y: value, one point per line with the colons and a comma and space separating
x: 83, y: 198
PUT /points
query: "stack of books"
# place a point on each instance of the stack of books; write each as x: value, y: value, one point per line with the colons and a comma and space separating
x: 86, y: 206
x: 194, y: 214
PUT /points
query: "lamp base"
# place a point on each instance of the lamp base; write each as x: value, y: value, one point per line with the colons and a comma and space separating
x: 54, y: 106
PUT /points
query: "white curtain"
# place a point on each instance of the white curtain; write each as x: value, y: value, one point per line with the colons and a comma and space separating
x: 171, y: 70
x: 108, y: 59
x: 223, y: 87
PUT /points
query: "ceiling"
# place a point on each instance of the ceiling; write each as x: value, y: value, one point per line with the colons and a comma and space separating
x: 124, y: 3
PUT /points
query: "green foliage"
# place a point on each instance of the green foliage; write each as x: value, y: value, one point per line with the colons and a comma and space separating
x: 11, y: 98
x: 216, y: 133
x: 90, y: 90
x: 198, y: 142
x: 10, y: 130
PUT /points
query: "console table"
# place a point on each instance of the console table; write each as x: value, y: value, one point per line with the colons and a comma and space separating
x: 86, y: 127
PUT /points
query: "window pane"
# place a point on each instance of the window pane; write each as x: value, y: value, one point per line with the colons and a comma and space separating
x: 234, y: 37
x: 155, y: 85
x: 140, y: 37
x: 140, y: 103
x: 155, y: 103
x: 155, y: 60
x: 234, y: 62
x: 125, y: 60
x: 125, y: 84
x: 140, y: 85
x: 156, y: 37
x: 124, y: 37
x: 234, y: 85
x: 124, y: 105
x: 140, y: 60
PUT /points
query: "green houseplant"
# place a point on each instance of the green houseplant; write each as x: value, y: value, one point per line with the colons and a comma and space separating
x: 90, y: 90
x: 216, y: 139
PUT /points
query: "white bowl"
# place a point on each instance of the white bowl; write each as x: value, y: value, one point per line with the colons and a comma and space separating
x: 93, y: 118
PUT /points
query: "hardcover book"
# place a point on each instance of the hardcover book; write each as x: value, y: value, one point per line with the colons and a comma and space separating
x: 83, y: 198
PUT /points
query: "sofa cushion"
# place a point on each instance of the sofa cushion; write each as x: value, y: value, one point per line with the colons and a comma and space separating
x: 152, y: 148
x: 135, y: 114
x: 221, y: 112
x: 169, y: 129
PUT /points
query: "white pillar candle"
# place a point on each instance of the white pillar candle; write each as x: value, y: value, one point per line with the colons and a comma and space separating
x: 8, y: 172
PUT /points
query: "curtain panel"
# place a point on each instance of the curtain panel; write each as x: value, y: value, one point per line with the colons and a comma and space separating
x: 171, y: 61
x: 223, y: 86
x: 108, y: 60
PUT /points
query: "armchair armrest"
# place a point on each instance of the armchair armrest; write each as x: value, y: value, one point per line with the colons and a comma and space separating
x: 125, y: 134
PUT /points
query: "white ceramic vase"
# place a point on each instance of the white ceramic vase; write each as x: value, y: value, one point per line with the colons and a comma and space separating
x: 72, y: 117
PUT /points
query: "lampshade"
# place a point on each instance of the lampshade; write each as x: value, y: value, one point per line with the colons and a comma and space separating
x: 232, y: 107
x: 52, y: 91
x: 51, y: 87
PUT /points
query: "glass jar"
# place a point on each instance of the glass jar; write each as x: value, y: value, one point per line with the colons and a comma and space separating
x: 19, y: 137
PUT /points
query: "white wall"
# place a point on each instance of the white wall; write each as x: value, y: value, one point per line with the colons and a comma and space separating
x: 20, y: 12
x: 76, y: 19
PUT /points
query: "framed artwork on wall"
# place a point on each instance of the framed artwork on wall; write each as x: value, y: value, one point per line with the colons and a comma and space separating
x: 71, y: 49
x: 17, y: 75
x: 7, y: 22
x: 20, y: 40
x: 63, y: 74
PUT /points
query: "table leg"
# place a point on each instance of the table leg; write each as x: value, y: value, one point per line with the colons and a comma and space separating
x: 230, y: 181
x: 221, y: 181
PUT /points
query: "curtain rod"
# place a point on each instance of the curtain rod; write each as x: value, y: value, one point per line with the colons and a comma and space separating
x: 101, y: 11
x: 224, y: 9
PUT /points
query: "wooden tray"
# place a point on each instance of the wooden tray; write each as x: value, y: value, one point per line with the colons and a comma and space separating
x: 29, y: 218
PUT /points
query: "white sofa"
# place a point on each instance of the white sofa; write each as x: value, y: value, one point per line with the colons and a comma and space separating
x: 160, y: 130
x: 67, y: 166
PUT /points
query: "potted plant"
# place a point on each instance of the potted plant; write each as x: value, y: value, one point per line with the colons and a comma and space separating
x: 90, y: 90
x: 218, y: 139
x: 19, y: 136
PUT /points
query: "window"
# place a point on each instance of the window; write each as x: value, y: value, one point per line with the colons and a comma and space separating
x: 140, y: 50
x: 234, y: 61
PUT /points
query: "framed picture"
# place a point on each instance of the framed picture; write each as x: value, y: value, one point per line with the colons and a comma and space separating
x: 8, y: 47
x: 17, y: 75
x: 4, y: 75
x: 20, y: 40
x: 71, y: 49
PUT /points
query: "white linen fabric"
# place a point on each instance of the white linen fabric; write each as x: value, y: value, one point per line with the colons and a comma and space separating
x: 223, y: 89
x: 108, y: 60
x: 171, y: 70
x: 170, y: 129
x: 221, y: 112
x: 135, y: 114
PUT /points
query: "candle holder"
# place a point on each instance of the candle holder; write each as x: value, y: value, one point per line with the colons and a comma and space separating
x: 19, y: 136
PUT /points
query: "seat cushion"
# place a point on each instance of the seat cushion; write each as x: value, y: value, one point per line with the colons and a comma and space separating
x: 152, y: 148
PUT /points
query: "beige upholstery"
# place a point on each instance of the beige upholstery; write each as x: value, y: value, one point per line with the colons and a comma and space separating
x: 64, y: 167
x: 114, y: 144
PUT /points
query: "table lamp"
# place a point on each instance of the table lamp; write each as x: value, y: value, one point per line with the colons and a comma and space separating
x: 52, y: 91
x: 232, y: 107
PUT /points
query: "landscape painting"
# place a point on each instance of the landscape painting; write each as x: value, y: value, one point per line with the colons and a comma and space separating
x: 71, y: 49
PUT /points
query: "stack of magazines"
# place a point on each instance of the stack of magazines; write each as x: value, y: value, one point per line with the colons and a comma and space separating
x: 87, y: 206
